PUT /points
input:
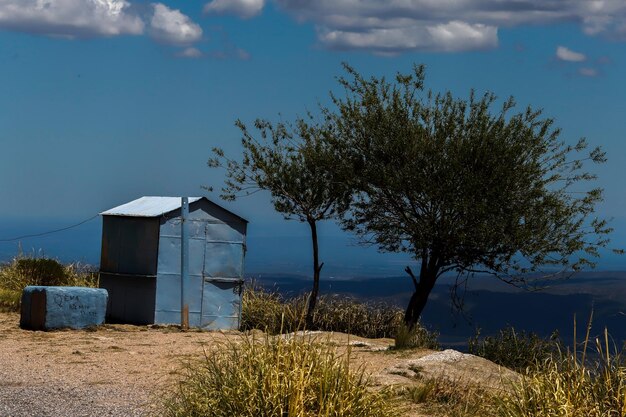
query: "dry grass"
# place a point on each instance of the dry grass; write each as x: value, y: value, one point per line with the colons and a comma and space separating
x: 517, y: 350
x: 275, y: 377
x: 449, y: 398
x: 416, y: 337
x: 270, y: 312
x: 24, y: 270
x: 572, y: 384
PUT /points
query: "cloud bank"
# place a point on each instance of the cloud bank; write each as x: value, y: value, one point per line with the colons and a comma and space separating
x: 70, y: 18
x: 382, y: 27
x: 445, y: 25
x: 97, y: 18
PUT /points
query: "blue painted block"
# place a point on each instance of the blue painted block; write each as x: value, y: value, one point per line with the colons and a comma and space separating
x: 46, y: 308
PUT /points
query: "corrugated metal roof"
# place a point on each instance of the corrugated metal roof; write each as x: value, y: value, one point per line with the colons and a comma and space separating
x: 148, y: 207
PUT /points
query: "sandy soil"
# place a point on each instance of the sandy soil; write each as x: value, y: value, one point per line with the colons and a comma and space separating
x: 120, y: 370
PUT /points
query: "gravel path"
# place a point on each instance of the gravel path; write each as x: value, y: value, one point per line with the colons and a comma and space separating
x: 115, y: 371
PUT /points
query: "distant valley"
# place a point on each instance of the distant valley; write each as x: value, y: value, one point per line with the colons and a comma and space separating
x: 491, y: 305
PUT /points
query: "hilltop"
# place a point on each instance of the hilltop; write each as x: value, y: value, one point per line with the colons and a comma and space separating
x: 122, y: 370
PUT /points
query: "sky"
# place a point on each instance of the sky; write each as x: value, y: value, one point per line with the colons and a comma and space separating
x: 104, y: 101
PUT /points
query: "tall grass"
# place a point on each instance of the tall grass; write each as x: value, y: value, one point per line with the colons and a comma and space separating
x: 275, y: 377
x: 450, y: 398
x: 573, y: 384
x: 269, y: 311
x: 415, y: 337
x: 517, y: 350
x: 25, y: 270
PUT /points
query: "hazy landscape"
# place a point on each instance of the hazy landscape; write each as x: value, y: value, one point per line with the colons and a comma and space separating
x: 281, y: 263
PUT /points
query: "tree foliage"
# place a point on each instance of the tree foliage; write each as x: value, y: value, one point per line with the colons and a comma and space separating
x: 299, y: 167
x: 464, y: 185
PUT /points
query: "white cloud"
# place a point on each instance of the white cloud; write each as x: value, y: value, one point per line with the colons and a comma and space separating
x: 408, y: 25
x: 244, y: 9
x: 172, y: 26
x: 453, y: 36
x: 191, y: 52
x: 566, y: 54
x: 588, y: 72
x: 70, y: 18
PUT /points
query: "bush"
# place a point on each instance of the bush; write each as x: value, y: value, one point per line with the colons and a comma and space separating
x: 366, y: 319
x: 270, y: 312
x: 23, y: 271
x: 10, y: 300
x: 568, y: 386
x: 275, y: 377
x: 515, y: 350
x: 416, y: 337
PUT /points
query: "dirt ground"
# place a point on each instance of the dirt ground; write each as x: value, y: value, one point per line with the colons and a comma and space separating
x: 120, y: 370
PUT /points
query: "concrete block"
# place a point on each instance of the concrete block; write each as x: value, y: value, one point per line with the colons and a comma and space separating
x: 47, y: 308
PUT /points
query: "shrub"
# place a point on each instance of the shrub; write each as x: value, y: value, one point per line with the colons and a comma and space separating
x: 23, y: 271
x: 515, y: 350
x: 348, y: 315
x: 10, y: 300
x: 569, y: 386
x: 416, y: 337
x: 269, y: 311
x: 275, y: 377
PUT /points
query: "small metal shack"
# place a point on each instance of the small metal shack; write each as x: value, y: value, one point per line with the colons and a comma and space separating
x: 140, y: 264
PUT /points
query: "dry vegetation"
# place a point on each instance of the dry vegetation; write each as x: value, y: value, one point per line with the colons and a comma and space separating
x: 358, y: 369
x: 25, y: 270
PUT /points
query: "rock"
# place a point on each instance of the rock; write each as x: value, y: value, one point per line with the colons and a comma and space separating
x: 47, y: 308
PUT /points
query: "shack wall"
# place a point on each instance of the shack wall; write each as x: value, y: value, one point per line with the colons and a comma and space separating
x: 128, y: 267
x: 216, y: 258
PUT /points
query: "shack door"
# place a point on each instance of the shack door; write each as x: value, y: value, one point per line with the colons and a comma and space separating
x: 222, y: 277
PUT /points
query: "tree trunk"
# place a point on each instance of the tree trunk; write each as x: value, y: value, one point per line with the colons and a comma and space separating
x: 419, y: 298
x: 316, y: 276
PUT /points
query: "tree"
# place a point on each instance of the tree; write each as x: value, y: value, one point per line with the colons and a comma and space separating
x: 463, y: 187
x: 299, y: 169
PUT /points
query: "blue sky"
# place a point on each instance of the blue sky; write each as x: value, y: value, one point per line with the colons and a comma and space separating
x: 103, y: 101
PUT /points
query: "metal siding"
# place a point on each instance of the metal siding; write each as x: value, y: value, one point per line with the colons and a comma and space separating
x: 224, y: 232
x: 221, y: 305
x: 131, y: 299
x: 171, y: 227
x: 215, y: 268
x: 168, y: 276
x: 223, y: 260
x: 168, y: 294
x: 129, y: 245
x: 169, y: 256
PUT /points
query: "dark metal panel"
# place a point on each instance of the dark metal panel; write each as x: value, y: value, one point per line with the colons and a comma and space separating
x: 131, y: 299
x: 129, y: 245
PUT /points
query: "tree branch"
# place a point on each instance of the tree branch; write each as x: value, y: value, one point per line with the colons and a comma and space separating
x: 412, y: 275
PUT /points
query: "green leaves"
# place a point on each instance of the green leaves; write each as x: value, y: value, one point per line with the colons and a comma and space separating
x: 294, y: 163
x: 475, y: 188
